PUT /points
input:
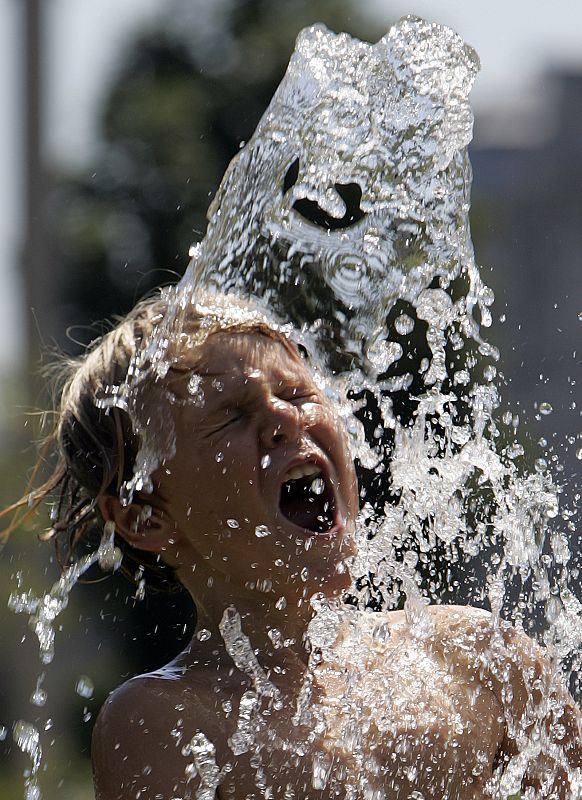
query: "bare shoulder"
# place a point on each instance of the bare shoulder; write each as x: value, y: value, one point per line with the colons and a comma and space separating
x: 463, y: 627
x: 473, y: 641
x: 529, y: 684
x: 437, y: 622
x: 141, y: 737
x: 473, y: 636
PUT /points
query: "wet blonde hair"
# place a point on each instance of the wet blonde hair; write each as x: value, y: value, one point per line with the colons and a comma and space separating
x: 95, y: 445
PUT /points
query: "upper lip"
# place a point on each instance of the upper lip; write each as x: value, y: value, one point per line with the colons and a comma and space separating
x: 305, y: 470
x: 308, y: 459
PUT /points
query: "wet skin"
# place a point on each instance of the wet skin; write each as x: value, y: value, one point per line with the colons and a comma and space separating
x: 433, y: 712
x: 262, y: 417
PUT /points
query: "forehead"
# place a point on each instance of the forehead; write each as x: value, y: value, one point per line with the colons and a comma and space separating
x: 244, y: 354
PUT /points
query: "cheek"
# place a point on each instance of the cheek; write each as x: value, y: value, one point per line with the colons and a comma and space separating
x: 234, y: 467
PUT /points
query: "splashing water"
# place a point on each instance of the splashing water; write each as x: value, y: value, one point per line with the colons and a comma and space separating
x: 43, y: 612
x: 356, y: 199
x: 346, y: 215
x: 240, y: 650
x: 27, y: 737
x: 203, y: 765
x: 365, y: 198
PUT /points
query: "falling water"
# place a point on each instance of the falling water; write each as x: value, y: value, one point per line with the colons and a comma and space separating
x: 42, y: 614
x: 347, y: 215
x: 355, y: 228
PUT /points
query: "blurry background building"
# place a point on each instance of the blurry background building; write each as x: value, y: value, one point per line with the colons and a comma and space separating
x: 105, y: 177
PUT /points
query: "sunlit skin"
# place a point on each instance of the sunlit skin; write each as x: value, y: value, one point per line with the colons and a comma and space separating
x: 435, y: 708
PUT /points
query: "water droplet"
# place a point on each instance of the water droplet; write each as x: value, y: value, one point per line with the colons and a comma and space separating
x: 3, y: 733
x: 281, y: 604
x: 579, y: 454
x: 227, y: 706
x: 261, y: 531
x: 32, y: 792
x: 203, y: 635
x: 545, y: 409
x: 552, y: 506
x: 304, y: 574
x: 27, y: 737
x: 219, y: 457
x: 85, y: 687
x: 110, y: 557
x: 275, y: 636
x: 541, y: 464
x: 232, y: 523
x: 404, y: 324
x: 265, y: 461
x: 317, y: 486
x: 140, y: 589
x: 515, y: 450
x: 322, y: 766
x: 382, y: 354
x: 553, y: 610
x: 461, y: 377
x: 39, y: 697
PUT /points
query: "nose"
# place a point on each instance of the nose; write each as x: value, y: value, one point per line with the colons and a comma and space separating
x: 280, y: 423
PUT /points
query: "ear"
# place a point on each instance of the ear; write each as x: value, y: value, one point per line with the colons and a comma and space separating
x: 152, y: 532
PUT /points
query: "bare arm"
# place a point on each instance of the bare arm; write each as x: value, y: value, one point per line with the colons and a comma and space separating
x: 542, y: 743
x: 542, y: 719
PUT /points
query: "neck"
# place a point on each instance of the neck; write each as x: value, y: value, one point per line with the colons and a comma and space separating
x: 274, y: 623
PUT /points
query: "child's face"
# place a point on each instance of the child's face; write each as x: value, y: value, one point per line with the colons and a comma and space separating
x: 262, y: 486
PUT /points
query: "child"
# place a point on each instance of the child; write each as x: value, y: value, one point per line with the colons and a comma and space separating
x: 253, y: 509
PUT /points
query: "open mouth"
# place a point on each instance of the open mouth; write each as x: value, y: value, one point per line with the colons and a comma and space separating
x: 307, y: 499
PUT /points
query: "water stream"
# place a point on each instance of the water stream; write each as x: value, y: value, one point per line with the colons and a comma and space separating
x: 347, y: 216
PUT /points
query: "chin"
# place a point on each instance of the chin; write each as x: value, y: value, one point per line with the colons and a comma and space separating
x: 332, y: 579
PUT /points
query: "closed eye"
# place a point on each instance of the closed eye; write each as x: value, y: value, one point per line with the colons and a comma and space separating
x: 302, y: 397
x: 232, y: 418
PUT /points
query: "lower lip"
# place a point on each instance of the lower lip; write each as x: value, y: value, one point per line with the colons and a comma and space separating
x: 336, y: 530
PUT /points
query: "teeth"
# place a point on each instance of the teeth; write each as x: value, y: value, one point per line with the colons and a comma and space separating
x: 303, y: 471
